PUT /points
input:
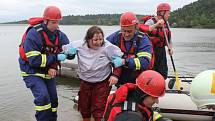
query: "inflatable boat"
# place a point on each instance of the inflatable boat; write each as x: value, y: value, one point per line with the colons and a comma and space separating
x: 177, y: 104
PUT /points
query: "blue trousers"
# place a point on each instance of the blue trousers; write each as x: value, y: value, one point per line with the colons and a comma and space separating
x: 45, y: 93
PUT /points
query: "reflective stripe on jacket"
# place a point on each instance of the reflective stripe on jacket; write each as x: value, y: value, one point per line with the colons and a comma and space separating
x: 138, y: 56
x: 40, y: 57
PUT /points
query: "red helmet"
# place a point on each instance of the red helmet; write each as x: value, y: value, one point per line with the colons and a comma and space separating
x: 163, y: 7
x: 152, y: 83
x: 52, y: 13
x: 128, y: 19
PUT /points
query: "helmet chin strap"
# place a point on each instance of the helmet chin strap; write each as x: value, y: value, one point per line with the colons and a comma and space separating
x: 162, y: 15
x: 46, y: 22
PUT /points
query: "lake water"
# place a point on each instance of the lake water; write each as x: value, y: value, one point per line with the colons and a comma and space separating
x: 194, y: 51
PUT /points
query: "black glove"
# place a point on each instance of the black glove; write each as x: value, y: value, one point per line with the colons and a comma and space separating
x: 70, y: 57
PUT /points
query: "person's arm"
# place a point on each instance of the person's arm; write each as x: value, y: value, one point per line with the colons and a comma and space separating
x: 33, y: 50
x: 111, y: 52
x: 150, y: 25
x: 71, y: 49
x: 156, y: 25
x: 144, y: 28
x: 65, y: 41
x: 143, y: 59
x: 112, y: 39
x: 52, y: 71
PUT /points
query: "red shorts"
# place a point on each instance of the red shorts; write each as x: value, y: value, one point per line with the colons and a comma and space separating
x: 92, y: 98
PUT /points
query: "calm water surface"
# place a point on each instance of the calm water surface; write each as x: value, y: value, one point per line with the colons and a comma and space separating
x: 194, y: 51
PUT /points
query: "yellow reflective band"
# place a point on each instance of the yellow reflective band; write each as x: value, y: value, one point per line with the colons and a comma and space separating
x: 213, y: 84
x: 24, y: 74
x: 41, y: 108
x: 54, y: 109
x: 144, y: 54
x: 32, y: 53
x: 137, y: 63
x: 45, y: 76
x: 156, y: 116
x: 43, y: 63
x: 140, y: 35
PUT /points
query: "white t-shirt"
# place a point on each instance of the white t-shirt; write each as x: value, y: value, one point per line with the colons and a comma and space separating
x: 149, y: 22
x: 94, y: 65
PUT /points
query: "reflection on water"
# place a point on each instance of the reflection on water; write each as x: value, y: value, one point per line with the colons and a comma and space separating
x: 67, y: 90
x: 70, y: 85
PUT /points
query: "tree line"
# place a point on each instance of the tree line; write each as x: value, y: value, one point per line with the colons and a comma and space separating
x: 199, y: 14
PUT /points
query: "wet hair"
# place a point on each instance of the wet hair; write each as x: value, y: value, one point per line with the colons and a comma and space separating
x: 90, y: 33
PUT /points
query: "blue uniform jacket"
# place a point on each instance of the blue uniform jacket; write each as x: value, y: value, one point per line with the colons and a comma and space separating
x: 140, y: 62
x: 38, y: 62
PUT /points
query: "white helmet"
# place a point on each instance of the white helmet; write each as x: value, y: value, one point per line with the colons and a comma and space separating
x: 203, y: 89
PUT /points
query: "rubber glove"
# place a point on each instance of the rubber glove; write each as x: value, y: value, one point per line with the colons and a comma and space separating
x: 61, y: 57
x: 117, y: 61
x: 71, y: 51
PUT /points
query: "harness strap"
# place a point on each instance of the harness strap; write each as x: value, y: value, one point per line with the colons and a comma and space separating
x: 45, y: 39
x: 129, y: 106
x: 135, y: 43
x: 43, y: 35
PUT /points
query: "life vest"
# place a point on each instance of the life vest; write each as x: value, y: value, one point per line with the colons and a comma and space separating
x: 157, y: 36
x: 114, y: 106
x: 132, y: 52
x: 48, y: 46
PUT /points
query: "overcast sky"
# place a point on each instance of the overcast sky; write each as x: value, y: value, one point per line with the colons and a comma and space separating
x: 15, y: 10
